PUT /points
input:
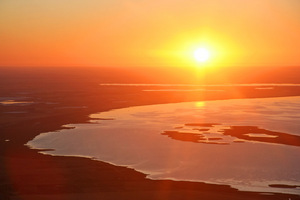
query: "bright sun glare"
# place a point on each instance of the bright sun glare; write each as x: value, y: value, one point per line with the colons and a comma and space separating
x: 202, y: 54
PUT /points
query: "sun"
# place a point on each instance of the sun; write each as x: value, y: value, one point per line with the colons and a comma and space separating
x: 202, y: 55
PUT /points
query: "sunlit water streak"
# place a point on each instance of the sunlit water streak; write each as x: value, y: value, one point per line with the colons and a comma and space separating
x: 13, y: 102
x: 133, y: 137
x: 181, y: 90
x: 192, y: 85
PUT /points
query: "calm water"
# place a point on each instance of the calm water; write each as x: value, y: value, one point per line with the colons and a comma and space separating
x: 197, y: 141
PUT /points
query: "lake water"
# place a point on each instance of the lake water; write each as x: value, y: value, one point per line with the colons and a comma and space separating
x: 246, y: 143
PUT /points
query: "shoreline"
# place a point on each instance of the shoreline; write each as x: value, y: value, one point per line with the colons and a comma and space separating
x: 185, y: 133
x: 56, y: 177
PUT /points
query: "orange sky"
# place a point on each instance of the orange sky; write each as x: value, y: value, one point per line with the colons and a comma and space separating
x: 148, y: 33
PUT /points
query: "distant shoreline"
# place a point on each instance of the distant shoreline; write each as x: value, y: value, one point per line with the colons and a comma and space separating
x: 162, y: 75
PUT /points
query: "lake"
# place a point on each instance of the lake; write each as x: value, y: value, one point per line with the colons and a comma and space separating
x: 249, y: 144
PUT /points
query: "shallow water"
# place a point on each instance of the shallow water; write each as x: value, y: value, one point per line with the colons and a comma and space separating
x: 245, y: 143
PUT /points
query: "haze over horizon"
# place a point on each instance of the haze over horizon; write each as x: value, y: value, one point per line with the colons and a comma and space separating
x: 145, y: 33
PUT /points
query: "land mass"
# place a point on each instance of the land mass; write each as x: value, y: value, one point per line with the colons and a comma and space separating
x: 57, y: 99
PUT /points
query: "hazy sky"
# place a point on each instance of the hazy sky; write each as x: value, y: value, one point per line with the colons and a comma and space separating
x: 148, y: 33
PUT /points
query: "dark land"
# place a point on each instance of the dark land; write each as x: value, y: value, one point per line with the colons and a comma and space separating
x: 69, y: 95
